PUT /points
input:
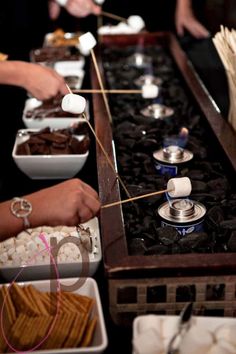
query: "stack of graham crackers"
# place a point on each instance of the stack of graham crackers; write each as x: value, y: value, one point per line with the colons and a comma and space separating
x: 30, y: 315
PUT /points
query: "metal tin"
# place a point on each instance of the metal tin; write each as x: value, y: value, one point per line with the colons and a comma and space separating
x: 148, y: 79
x: 139, y: 60
x: 157, y: 111
x: 168, y: 158
x: 185, y: 215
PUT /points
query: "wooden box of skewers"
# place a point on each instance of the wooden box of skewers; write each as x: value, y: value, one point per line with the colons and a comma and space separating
x: 156, y: 259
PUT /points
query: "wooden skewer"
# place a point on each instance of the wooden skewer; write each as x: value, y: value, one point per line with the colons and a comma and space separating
x: 107, y: 91
x: 107, y: 157
x: 101, y: 85
x: 104, y: 151
x: 134, y: 198
x: 114, y: 17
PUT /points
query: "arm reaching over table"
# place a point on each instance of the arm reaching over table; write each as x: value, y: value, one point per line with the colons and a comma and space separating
x: 186, y: 20
x: 41, y: 82
x: 68, y: 203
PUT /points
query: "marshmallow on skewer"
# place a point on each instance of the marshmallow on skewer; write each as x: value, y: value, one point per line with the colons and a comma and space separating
x: 87, y: 42
x: 73, y: 103
x: 136, y: 22
x: 150, y: 91
x: 179, y: 187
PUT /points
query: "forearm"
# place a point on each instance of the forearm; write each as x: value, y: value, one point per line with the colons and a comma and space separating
x: 184, y: 5
x: 13, y: 72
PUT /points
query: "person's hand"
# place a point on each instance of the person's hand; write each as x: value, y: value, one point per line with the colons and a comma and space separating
x: 77, y: 8
x: 68, y: 203
x: 82, y: 8
x: 42, y: 82
x: 185, y: 20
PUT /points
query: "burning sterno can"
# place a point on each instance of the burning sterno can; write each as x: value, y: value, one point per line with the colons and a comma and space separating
x: 168, y: 159
x: 185, y: 215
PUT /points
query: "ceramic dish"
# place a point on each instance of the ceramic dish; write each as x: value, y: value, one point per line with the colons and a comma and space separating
x: 89, y: 288
x: 51, y: 122
x: 72, y: 269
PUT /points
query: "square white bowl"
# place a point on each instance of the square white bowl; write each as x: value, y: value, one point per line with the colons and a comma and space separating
x: 47, y: 166
x: 169, y: 325
x: 66, y: 270
x: 51, y: 122
x: 89, y: 288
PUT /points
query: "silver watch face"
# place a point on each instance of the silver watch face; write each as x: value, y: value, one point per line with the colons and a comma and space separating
x: 21, y: 208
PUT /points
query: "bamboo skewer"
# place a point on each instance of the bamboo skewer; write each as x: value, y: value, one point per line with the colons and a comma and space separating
x: 104, y: 151
x: 113, y: 16
x: 116, y: 91
x: 107, y: 157
x: 134, y: 198
x: 101, y: 85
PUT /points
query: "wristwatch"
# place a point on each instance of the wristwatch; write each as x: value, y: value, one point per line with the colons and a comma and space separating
x: 21, y: 208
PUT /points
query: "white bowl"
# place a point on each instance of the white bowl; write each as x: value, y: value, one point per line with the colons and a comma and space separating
x: 47, y: 166
x: 42, y: 270
x: 69, y: 69
x: 169, y: 325
x: 51, y: 122
x: 89, y: 288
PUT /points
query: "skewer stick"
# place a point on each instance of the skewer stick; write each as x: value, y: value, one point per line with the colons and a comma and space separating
x: 107, y: 91
x: 107, y: 157
x: 104, y: 151
x: 68, y: 88
x: 114, y: 17
x: 101, y: 85
x: 134, y: 198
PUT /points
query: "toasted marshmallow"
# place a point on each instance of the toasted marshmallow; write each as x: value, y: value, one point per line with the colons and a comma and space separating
x: 73, y: 103
x: 87, y: 42
x: 150, y: 91
x: 136, y: 22
x: 179, y: 187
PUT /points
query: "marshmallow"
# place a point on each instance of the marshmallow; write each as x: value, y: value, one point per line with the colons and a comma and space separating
x: 87, y: 41
x: 150, y: 91
x: 148, y: 342
x: 149, y: 321
x: 73, y: 103
x: 221, y: 348
x: 136, y: 22
x: 196, y: 341
x: 62, y: 2
x: 179, y: 187
x: 99, y: 2
x: 227, y: 333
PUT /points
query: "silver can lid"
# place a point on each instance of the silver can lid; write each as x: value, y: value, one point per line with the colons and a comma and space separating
x: 182, y: 210
x: 148, y: 79
x: 173, y: 154
x: 157, y: 111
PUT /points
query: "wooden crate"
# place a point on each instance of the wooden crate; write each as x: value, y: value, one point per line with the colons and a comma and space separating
x: 140, y: 272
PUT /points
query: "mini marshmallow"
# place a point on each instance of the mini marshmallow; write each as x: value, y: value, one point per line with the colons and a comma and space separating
x: 179, y: 187
x: 136, y: 22
x: 73, y: 103
x: 87, y: 41
x: 150, y: 91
